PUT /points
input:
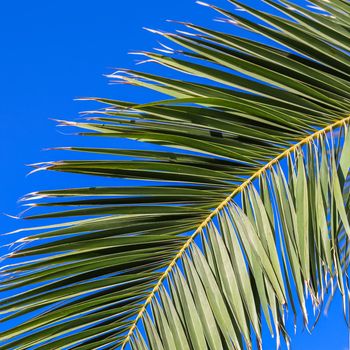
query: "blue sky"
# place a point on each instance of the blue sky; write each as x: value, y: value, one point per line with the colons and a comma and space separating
x: 56, y: 51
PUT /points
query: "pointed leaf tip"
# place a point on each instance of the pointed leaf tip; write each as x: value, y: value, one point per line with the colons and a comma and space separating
x: 203, y: 4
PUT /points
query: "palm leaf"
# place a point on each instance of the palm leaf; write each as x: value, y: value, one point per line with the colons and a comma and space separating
x: 240, y: 212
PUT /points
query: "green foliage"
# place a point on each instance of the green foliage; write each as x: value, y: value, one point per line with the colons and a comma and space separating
x: 222, y: 239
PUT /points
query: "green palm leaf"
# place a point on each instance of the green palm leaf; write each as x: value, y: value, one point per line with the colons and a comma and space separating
x: 243, y: 208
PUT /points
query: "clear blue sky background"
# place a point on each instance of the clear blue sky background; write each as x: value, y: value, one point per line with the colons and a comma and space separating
x: 55, y: 51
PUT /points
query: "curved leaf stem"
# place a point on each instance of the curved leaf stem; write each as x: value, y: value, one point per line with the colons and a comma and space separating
x: 240, y: 188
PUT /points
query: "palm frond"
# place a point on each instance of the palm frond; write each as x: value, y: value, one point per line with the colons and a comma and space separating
x: 242, y: 207
x: 289, y: 235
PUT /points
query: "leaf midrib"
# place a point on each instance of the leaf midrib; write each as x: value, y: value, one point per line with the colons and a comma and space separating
x: 237, y: 190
